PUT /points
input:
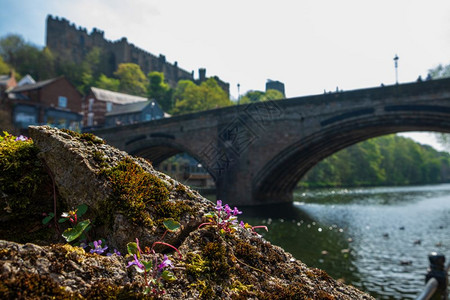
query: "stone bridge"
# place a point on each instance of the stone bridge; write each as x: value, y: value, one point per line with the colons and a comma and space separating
x: 258, y: 152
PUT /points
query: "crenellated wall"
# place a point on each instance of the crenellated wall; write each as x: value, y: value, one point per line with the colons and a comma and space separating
x: 72, y: 43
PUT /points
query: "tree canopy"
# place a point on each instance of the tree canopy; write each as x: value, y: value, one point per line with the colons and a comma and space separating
x: 190, y: 97
x: 159, y: 90
x: 386, y: 160
x: 132, y: 79
x: 255, y: 96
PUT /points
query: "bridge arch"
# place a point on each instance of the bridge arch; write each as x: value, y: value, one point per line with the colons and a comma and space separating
x: 157, y: 150
x: 277, y: 179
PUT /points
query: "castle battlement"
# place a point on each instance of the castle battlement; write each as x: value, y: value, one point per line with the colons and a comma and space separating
x: 72, y: 43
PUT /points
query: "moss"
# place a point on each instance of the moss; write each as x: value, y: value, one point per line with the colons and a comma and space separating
x: 204, y: 288
x: 239, y: 287
x: 134, y: 190
x: 216, y: 255
x: 182, y: 191
x: 195, y: 265
x: 141, y: 195
x: 279, y: 292
x: 98, y: 156
x: 22, y: 175
x: 26, y: 191
x: 32, y: 286
x: 248, y: 253
x: 171, y: 209
x: 106, y: 290
x: 89, y: 138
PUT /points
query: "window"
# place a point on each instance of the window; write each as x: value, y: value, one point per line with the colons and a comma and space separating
x: 90, y: 120
x: 91, y: 103
x: 148, y: 117
x: 62, y: 101
x: 109, y: 106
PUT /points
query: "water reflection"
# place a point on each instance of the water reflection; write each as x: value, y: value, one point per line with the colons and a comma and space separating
x: 376, y: 239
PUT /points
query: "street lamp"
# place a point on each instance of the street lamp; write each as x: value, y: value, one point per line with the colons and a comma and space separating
x: 153, y: 110
x: 396, y: 68
x: 239, y: 94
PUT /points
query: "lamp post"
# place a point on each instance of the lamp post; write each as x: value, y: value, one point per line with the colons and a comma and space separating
x: 396, y: 68
x: 239, y: 94
x: 153, y: 110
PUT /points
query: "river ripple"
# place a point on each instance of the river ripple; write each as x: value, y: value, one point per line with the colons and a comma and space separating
x: 376, y: 239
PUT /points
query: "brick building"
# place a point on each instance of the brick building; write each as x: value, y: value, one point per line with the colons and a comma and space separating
x: 134, y: 113
x: 54, y: 101
x: 98, y: 102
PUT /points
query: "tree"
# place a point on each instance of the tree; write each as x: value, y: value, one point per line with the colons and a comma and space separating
x: 10, y: 46
x: 255, y: 96
x: 386, y: 160
x: 107, y: 83
x: 4, y: 68
x: 190, y: 97
x: 159, y: 90
x: 132, y: 79
x: 45, y: 66
x: 441, y: 72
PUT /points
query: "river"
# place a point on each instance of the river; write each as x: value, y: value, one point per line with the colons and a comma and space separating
x: 376, y: 239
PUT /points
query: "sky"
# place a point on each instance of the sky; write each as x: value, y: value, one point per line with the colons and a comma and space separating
x: 309, y: 45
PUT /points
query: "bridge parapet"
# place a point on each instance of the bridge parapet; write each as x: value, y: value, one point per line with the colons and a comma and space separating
x: 258, y: 152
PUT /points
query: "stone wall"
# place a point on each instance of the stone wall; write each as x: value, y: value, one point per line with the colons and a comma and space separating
x: 72, y: 43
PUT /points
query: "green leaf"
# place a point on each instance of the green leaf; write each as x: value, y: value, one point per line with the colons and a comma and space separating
x: 210, y: 215
x: 71, y: 234
x: 132, y: 249
x: 81, y: 209
x: 148, y: 265
x: 171, y: 224
x: 62, y: 220
x: 167, y: 275
x: 48, y: 218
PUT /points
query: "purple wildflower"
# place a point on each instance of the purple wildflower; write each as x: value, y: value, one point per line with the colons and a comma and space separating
x: 136, y: 262
x: 219, y: 205
x: 98, y: 247
x: 21, y: 138
x: 236, y: 211
x: 227, y: 210
x: 115, y: 251
x: 242, y: 224
x: 165, y: 263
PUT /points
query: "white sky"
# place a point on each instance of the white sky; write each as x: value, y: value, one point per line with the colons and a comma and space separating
x: 309, y: 45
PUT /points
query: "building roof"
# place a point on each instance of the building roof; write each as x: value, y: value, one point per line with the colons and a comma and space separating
x: 34, y: 86
x: 27, y: 79
x: 115, y: 97
x: 129, y: 108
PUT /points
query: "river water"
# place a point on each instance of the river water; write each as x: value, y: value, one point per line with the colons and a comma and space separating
x: 377, y: 239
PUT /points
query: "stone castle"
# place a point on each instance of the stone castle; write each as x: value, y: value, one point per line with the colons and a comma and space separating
x: 72, y: 43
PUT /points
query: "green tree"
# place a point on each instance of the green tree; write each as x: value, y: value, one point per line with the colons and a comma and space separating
x: 10, y: 46
x: 255, y: 96
x: 441, y: 71
x: 107, y: 83
x: 190, y: 97
x: 45, y: 66
x: 132, y: 79
x: 386, y: 160
x: 4, y: 68
x: 159, y: 90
